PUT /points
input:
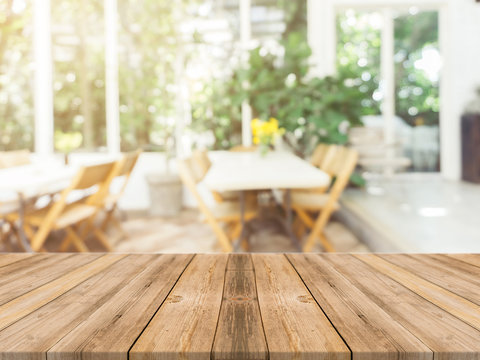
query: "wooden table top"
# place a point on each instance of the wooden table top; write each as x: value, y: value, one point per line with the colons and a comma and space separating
x: 301, y: 306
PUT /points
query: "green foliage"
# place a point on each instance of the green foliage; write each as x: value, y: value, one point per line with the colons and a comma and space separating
x: 67, y: 142
x: 312, y: 110
x: 148, y: 60
x: 16, y: 72
x: 358, y: 59
x: 417, y: 99
x: 78, y: 71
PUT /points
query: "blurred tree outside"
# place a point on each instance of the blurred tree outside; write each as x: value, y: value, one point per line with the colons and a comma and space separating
x: 16, y: 74
x: 416, y: 62
x: 149, y: 44
x: 276, y: 83
x: 193, y: 48
x: 79, y: 72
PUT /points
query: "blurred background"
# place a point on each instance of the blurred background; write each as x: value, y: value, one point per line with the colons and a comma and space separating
x: 391, y: 79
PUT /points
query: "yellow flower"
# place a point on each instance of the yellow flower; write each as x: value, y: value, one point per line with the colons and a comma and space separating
x: 265, y: 132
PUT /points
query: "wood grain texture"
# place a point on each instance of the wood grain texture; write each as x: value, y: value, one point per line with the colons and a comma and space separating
x: 184, y: 327
x: 37, y: 271
x: 239, y: 331
x: 295, y: 326
x: 453, y: 275
x: 11, y: 258
x: 367, y: 329
x: 239, y: 306
x: 472, y: 259
x: 447, y: 336
x: 25, y: 304
x: 120, y: 320
x: 456, y: 305
x: 40, y: 330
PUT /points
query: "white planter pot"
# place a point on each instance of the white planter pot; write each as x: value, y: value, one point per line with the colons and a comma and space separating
x: 165, y: 194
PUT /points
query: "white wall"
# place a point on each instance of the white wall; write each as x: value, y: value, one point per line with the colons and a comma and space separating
x: 462, y: 72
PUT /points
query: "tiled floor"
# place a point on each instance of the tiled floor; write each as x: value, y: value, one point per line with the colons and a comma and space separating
x: 419, y: 213
x: 186, y: 233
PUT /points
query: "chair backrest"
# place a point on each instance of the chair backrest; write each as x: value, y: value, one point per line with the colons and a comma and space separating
x: 14, y: 158
x: 343, y: 164
x: 123, y: 167
x: 346, y: 161
x: 186, y: 170
x: 196, y: 169
x: 329, y: 162
x: 129, y: 161
x: 87, y: 177
x: 202, y: 160
x: 319, y: 155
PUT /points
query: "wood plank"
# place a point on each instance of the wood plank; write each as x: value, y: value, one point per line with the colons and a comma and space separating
x: 184, y: 327
x: 25, y: 304
x: 32, y: 336
x: 295, y: 326
x: 447, y: 336
x: 453, y: 275
x: 447, y: 300
x: 472, y: 259
x: 6, y: 259
x: 368, y: 330
x: 23, y: 276
x: 114, y: 326
x: 239, y: 331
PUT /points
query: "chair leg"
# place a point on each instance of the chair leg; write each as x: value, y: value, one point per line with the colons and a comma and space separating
x: 120, y: 229
x: 326, y: 244
x: 317, y: 231
x: 100, y: 235
x: 67, y: 241
x: 299, y: 228
x: 236, y: 231
x: 76, y: 240
x: 304, y: 217
x: 107, y: 219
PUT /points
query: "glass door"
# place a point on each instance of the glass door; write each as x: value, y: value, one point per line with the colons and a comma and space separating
x: 416, y: 67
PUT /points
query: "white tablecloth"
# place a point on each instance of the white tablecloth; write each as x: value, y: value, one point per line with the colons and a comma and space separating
x: 31, y: 181
x: 235, y: 171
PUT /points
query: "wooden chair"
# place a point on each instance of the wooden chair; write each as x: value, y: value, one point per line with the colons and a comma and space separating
x: 6, y: 228
x: 340, y: 166
x: 227, y: 212
x: 201, y: 164
x: 14, y: 158
x: 123, y: 168
x: 68, y: 216
x: 319, y: 155
x: 202, y: 160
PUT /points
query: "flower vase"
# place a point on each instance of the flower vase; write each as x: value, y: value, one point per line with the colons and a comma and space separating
x: 264, y: 149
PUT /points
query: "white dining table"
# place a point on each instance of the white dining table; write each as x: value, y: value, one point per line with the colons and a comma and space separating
x: 239, y: 171
x: 22, y: 184
x: 246, y: 171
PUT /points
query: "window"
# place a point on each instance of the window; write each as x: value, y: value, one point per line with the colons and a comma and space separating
x: 78, y: 75
x: 149, y: 78
x: 416, y: 66
x: 16, y: 74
